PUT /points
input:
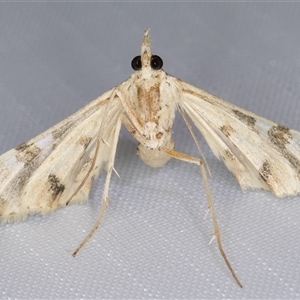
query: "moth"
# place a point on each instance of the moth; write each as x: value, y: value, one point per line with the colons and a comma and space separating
x: 58, y: 167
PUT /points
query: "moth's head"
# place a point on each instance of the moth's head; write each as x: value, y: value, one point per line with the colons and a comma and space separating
x: 146, y: 61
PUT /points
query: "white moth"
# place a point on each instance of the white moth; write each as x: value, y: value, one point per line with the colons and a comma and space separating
x: 58, y: 167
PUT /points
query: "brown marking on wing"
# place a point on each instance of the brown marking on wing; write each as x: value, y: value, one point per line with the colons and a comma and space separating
x: 84, y: 141
x: 56, y: 187
x: 265, y: 171
x: 227, y: 130
x: 199, y: 95
x: 21, y: 147
x: 27, y: 152
x: 59, y: 132
x: 231, y: 156
x: 280, y: 136
x: 246, y: 119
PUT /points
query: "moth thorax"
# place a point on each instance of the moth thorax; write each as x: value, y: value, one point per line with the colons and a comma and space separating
x: 154, y: 157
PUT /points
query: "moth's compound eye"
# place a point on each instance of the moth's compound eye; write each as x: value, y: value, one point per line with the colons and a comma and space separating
x: 136, y: 63
x: 156, y: 62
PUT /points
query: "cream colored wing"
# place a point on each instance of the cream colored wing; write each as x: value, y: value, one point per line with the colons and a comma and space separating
x: 42, y: 174
x: 259, y: 152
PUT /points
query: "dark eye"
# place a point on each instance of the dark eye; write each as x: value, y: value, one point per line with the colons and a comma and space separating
x: 136, y: 63
x: 156, y: 62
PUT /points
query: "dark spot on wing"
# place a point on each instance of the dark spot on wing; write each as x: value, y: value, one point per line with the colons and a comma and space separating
x: 265, y: 171
x: 27, y: 152
x: 227, y: 130
x: 279, y: 135
x: 85, y: 141
x: 59, y: 132
x: 230, y: 155
x: 21, y: 147
x: 248, y: 120
x: 55, y: 186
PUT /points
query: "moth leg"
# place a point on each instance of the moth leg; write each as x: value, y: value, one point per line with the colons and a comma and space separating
x: 194, y: 138
x: 105, y: 200
x: 217, y: 234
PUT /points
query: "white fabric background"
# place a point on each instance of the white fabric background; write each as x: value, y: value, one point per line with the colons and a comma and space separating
x: 153, y: 242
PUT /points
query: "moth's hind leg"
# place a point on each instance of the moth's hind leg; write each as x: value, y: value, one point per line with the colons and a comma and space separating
x: 217, y: 234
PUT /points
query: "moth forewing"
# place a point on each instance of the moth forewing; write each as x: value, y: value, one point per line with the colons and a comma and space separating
x: 257, y: 151
x: 40, y: 175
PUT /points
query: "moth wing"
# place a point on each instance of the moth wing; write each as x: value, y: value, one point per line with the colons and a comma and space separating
x: 42, y: 174
x: 259, y: 152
